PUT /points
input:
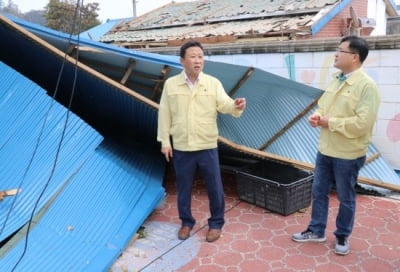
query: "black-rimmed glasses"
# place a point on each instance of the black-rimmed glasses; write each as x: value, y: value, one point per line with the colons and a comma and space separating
x: 338, y: 50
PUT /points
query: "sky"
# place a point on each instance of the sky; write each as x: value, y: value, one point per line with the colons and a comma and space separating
x: 109, y: 9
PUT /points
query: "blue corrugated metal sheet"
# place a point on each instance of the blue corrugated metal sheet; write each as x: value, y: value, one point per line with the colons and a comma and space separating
x: 96, y: 32
x: 31, y: 127
x: 265, y: 116
x: 103, y: 195
x: 91, y: 222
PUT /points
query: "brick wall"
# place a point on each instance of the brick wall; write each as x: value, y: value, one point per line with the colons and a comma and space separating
x: 339, y: 25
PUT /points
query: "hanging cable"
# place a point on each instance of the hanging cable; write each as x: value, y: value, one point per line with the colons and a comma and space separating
x: 77, y: 14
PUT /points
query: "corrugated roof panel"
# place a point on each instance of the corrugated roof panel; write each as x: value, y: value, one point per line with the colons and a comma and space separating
x: 219, y: 18
x: 222, y: 10
x: 96, y: 32
x: 93, y: 219
x: 11, y: 117
x: 29, y: 147
x: 265, y: 116
x: 242, y: 28
x: 296, y: 140
x: 143, y: 195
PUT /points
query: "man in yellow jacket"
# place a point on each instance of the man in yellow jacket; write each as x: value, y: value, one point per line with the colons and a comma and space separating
x: 189, y: 105
x: 346, y: 115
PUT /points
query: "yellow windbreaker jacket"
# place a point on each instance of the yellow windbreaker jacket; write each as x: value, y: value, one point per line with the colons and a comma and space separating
x: 190, y: 115
x: 352, y: 107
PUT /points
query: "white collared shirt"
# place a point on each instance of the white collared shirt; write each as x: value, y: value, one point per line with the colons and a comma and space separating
x: 189, y: 82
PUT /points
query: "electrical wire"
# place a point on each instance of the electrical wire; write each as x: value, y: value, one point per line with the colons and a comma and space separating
x: 79, y: 3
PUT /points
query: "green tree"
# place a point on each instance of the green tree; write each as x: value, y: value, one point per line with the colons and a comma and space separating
x: 10, y: 8
x: 69, y: 17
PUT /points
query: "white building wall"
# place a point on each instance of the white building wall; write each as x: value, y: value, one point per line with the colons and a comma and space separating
x: 315, y: 69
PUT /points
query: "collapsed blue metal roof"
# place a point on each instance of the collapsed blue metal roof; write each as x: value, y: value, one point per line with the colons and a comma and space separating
x: 117, y: 93
x: 94, y: 194
x: 32, y: 127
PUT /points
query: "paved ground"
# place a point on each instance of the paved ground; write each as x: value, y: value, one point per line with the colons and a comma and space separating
x: 255, y: 239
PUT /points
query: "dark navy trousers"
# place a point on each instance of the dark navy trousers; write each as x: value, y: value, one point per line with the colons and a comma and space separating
x: 207, y: 161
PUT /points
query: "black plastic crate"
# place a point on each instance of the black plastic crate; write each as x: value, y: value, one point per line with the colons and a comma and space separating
x: 277, y: 187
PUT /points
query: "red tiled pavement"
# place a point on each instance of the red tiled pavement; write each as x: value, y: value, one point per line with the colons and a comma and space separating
x: 254, y: 239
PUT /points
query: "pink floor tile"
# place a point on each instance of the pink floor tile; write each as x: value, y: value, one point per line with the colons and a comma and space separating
x: 254, y: 239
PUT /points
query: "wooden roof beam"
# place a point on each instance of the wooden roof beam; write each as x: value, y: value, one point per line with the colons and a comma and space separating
x: 242, y: 80
x: 128, y: 72
x: 160, y: 83
x: 288, y: 125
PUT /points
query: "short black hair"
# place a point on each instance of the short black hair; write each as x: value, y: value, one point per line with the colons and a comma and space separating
x: 188, y: 44
x: 357, y: 45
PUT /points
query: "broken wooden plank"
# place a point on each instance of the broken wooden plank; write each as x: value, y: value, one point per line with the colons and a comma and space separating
x: 10, y: 192
x: 160, y: 83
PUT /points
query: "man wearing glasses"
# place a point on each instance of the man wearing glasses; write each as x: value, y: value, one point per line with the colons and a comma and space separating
x: 346, y: 114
